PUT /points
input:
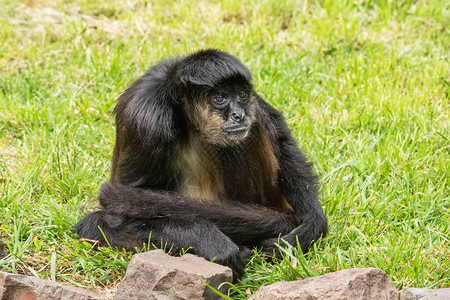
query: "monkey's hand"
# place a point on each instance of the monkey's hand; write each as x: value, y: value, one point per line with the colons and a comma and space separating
x: 237, y: 263
x: 233, y: 258
x: 305, y: 234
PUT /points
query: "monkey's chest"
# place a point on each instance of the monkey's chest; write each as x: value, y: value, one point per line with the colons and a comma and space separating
x: 248, y: 174
x: 200, y: 175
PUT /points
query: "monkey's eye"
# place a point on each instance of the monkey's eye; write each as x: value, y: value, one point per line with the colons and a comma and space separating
x: 242, y: 94
x: 219, y: 99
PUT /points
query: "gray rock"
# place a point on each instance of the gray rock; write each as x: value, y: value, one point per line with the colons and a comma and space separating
x: 156, y: 275
x: 21, y: 287
x: 2, y: 285
x: 424, y: 294
x: 351, y: 284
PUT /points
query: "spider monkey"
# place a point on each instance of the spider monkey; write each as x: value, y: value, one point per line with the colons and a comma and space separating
x: 202, y: 162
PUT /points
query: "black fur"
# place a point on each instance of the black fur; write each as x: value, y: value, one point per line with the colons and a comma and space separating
x: 142, y: 198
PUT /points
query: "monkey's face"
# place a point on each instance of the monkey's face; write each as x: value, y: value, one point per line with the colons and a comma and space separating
x: 234, y: 103
x: 225, y: 114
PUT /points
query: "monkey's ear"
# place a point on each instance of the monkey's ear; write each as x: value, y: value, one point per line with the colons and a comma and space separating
x: 146, y: 110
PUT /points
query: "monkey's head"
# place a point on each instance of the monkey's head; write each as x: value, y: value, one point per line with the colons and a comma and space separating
x: 218, y: 98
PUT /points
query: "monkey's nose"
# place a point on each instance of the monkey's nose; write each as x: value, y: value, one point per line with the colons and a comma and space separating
x: 237, y: 116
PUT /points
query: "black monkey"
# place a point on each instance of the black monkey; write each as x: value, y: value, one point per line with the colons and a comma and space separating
x: 202, y: 162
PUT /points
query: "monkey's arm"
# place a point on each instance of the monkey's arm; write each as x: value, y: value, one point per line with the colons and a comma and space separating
x: 245, y: 224
x: 299, y: 186
x: 297, y: 182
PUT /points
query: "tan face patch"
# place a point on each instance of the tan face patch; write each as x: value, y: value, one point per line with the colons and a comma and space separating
x: 205, y: 123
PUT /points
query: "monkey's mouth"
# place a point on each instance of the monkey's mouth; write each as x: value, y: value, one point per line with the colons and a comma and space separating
x: 236, y: 131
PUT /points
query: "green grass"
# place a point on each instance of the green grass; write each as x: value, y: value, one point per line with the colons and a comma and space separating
x: 364, y: 85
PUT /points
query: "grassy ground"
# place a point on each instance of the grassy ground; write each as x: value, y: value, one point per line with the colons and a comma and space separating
x: 364, y: 86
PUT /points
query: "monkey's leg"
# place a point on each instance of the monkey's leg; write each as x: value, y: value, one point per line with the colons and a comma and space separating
x: 171, y: 233
x: 94, y: 227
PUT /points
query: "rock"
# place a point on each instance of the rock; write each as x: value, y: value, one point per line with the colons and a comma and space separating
x: 156, y: 275
x: 2, y: 285
x: 424, y: 294
x: 351, y: 284
x: 21, y: 287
